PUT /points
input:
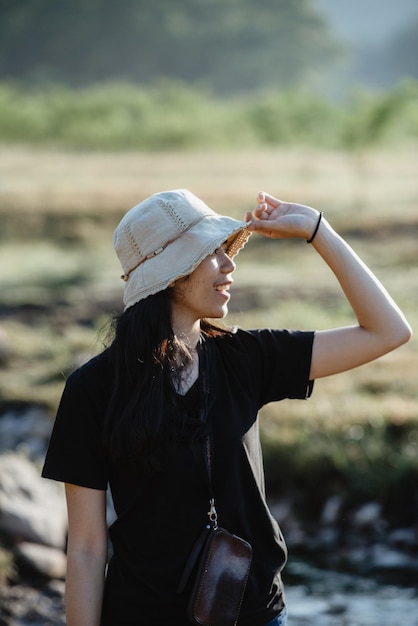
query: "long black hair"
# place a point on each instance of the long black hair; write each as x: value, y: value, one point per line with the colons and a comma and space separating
x: 145, y: 354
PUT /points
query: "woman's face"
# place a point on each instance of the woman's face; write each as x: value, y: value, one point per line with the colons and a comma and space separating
x: 205, y: 292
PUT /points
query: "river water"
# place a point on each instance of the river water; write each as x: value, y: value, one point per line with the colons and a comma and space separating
x: 317, y: 597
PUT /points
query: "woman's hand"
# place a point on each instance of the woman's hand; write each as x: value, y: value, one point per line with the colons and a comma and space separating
x: 281, y: 220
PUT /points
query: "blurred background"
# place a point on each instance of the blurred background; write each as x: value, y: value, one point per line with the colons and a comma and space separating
x: 316, y: 101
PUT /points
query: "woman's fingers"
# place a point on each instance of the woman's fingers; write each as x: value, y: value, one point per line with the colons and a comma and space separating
x: 268, y: 199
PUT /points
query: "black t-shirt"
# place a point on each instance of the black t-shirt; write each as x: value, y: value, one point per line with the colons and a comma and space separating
x: 159, y: 517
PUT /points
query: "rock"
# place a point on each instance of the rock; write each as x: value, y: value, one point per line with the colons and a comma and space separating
x: 326, y: 539
x: 294, y: 533
x: 337, y: 605
x: 55, y: 589
x: 31, y: 508
x: 35, y: 558
x: 357, y: 558
x: 384, y: 558
x: 368, y: 515
x: 21, y: 605
x: 302, y: 610
x: 404, y: 539
x: 281, y: 511
x: 295, y: 536
x: 332, y: 510
x: 25, y: 429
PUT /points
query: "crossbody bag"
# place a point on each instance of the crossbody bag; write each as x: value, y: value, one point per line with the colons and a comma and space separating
x: 220, y: 563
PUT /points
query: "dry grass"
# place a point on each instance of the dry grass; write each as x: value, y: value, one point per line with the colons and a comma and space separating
x: 372, y: 188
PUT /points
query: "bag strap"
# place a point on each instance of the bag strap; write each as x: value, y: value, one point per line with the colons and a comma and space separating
x: 207, y: 443
x: 193, y: 556
x: 206, y: 446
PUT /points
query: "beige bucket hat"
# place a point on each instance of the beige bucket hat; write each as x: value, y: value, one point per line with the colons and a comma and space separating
x: 166, y: 236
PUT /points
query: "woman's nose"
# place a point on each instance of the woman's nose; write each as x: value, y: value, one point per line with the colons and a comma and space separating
x: 227, y: 266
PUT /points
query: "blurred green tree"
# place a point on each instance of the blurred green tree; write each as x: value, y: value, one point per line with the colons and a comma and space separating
x: 237, y: 45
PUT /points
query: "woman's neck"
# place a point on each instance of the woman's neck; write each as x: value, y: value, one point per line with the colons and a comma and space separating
x: 188, y: 335
x: 187, y: 370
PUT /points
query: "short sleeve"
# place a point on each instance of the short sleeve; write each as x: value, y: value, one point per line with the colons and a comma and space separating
x: 283, y: 361
x: 75, y: 453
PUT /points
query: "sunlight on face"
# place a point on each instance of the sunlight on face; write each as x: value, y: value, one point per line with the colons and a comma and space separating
x: 205, y: 292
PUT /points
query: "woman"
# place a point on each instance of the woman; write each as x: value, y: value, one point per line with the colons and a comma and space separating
x: 135, y: 416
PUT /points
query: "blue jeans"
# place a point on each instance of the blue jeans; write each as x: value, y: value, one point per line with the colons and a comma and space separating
x: 280, y: 620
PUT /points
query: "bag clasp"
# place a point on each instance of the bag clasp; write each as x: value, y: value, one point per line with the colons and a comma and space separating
x: 212, y: 514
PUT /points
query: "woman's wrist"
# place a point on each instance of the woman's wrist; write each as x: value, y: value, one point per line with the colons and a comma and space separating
x: 317, y: 225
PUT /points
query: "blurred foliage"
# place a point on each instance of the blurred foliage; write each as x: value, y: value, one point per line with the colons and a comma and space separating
x: 237, y: 45
x: 359, y: 461
x: 173, y: 115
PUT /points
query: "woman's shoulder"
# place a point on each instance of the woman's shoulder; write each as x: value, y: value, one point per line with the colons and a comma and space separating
x: 94, y: 370
x: 240, y: 339
x: 264, y: 340
x: 238, y: 335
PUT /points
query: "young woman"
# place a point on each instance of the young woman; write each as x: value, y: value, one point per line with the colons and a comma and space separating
x: 137, y: 416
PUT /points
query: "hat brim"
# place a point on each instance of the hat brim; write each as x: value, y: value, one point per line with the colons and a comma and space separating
x: 181, y: 257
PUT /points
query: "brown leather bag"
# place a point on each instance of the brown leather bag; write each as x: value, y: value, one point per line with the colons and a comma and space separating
x: 221, y: 578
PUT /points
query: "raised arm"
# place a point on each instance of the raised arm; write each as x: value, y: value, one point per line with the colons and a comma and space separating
x: 86, y: 555
x: 381, y: 326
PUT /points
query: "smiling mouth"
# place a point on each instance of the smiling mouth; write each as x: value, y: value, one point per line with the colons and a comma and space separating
x: 223, y: 287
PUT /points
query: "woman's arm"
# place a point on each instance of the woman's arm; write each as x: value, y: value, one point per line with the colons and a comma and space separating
x: 381, y: 326
x: 86, y: 555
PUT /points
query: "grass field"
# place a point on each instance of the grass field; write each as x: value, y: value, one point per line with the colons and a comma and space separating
x: 60, y: 281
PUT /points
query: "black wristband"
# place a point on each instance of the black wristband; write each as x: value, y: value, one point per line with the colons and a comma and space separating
x: 316, y: 228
